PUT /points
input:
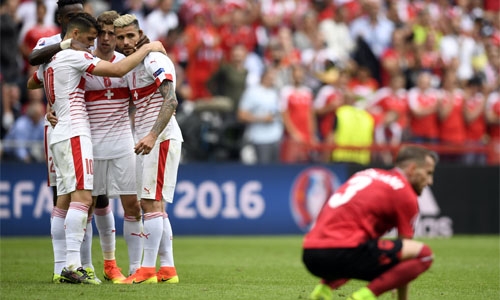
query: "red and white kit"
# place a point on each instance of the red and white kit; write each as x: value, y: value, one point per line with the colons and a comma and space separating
x: 107, y: 100
x: 157, y: 171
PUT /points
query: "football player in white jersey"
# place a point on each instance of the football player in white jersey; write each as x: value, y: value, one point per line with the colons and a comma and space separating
x: 152, y: 86
x: 70, y: 140
x: 42, y: 53
x: 107, y: 100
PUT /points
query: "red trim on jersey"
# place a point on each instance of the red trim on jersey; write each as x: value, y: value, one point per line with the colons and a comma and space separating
x: 159, y: 80
x: 90, y: 69
x: 36, y: 79
x: 45, y: 148
x: 81, y: 84
x: 162, y: 162
x: 76, y: 149
x: 117, y: 93
x: 143, y: 91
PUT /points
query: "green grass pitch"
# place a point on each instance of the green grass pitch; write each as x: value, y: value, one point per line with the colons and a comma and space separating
x: 246, y: 267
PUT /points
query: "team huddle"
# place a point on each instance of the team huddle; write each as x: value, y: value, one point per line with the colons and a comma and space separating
x: 110, y: 131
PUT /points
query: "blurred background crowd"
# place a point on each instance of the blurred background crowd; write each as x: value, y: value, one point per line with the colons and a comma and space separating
x: 296, y: 80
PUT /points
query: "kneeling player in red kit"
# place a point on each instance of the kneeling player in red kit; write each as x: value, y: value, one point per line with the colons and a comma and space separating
x: 346, y: 241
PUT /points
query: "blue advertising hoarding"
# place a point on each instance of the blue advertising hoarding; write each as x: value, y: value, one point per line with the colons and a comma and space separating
x: 209, y: 198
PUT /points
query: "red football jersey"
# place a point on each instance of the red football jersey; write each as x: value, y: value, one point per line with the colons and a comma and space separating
x: 367, y: 206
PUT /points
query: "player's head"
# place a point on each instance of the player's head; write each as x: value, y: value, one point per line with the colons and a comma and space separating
x: 66, y: 9
x: 106, y: 40
x: 83, y: 27
x: 127, y: 33
x: 418, y: 164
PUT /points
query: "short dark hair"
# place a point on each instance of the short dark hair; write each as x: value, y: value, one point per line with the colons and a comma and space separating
x: 83, y: 21
x: 416, y: 154
x: 63, y: 3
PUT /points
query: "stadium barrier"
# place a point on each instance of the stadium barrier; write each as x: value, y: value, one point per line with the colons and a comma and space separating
x: 229, y: 199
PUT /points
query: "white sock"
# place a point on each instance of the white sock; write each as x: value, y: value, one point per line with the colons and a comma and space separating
x: 132, y: 232
x: 153, y: 230
x: 58, y: 238
x: 105, y: 223
x: 166, y: 250
x: 86, y: 248
x: 75, y: 223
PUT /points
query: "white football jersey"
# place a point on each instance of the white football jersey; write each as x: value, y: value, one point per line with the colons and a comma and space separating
x: 107, y: 100
x: 64, y: 87
x: 143, y: 82
x: 47, y: 41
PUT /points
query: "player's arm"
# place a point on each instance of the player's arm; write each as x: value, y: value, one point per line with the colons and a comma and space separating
x: 34, y: 83
x: 167, y: 109
x: 119, y: 69
x: 43, y: 55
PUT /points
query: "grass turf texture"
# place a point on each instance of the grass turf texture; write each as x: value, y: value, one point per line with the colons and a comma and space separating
x: 270, y: 267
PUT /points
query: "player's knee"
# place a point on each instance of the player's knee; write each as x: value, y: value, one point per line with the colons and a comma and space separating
x: 426, y: 256
x: 102, y: 201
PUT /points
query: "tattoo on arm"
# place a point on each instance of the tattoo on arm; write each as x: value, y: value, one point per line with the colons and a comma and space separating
x: 168, y: 107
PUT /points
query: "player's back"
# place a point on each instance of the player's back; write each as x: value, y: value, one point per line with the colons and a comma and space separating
x: 368, y: 205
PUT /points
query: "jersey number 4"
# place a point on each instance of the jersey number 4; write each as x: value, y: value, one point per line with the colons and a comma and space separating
x: 354, y: 185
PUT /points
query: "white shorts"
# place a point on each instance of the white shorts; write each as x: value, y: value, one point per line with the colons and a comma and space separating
x: 49, y: 158
x: 157, y: 171
x: 73, y: 159
x: 115, y: 177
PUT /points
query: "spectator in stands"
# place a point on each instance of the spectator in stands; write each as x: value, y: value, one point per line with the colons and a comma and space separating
x: 299, y: 119
x: 275, y: 58
x: 139, y: 9
x: 317, y: 60
x: 24, y: 141
x: 27, y: 12
x: 493, y: 122
x: 229, y: 80
x: 336, y: 34
x: 474, y: 115
x: 399, y: 57
x: 327, y: 100
x: 353, y: 128
x: 161, y: 21
x: 428, y: 56
x: 362, y: 85
x: 9, y: 68
x: 259, y: 111
x: 36, y: 32
x: 237, y: 31
x: 373, y: 27
x: 451, y: 118
x: 389, y: 107
x: 204, y: 53
x: 306, y: 31
x: 423, y: 104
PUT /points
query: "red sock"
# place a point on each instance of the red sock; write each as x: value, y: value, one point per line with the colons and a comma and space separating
x: 402, y: 273
x: 334, y: 284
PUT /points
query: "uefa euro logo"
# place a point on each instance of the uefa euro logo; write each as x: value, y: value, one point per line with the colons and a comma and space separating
x: 310, y: 190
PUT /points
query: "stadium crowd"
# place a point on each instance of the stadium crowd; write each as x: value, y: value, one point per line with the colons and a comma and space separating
x: 288, y: 80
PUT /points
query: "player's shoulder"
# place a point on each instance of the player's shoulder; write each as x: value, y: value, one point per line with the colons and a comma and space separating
x: 118, y: 56
x: 47, y: 41
x: 156, y: 57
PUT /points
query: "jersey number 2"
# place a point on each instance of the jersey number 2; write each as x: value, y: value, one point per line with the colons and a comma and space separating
x: 354, y: 185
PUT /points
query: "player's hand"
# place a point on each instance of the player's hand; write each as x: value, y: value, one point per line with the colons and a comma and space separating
x: 157, y: 47
x: 143, y: 40
x: 76, y: 45
x: 51, y: 117
x: 145, y: 145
